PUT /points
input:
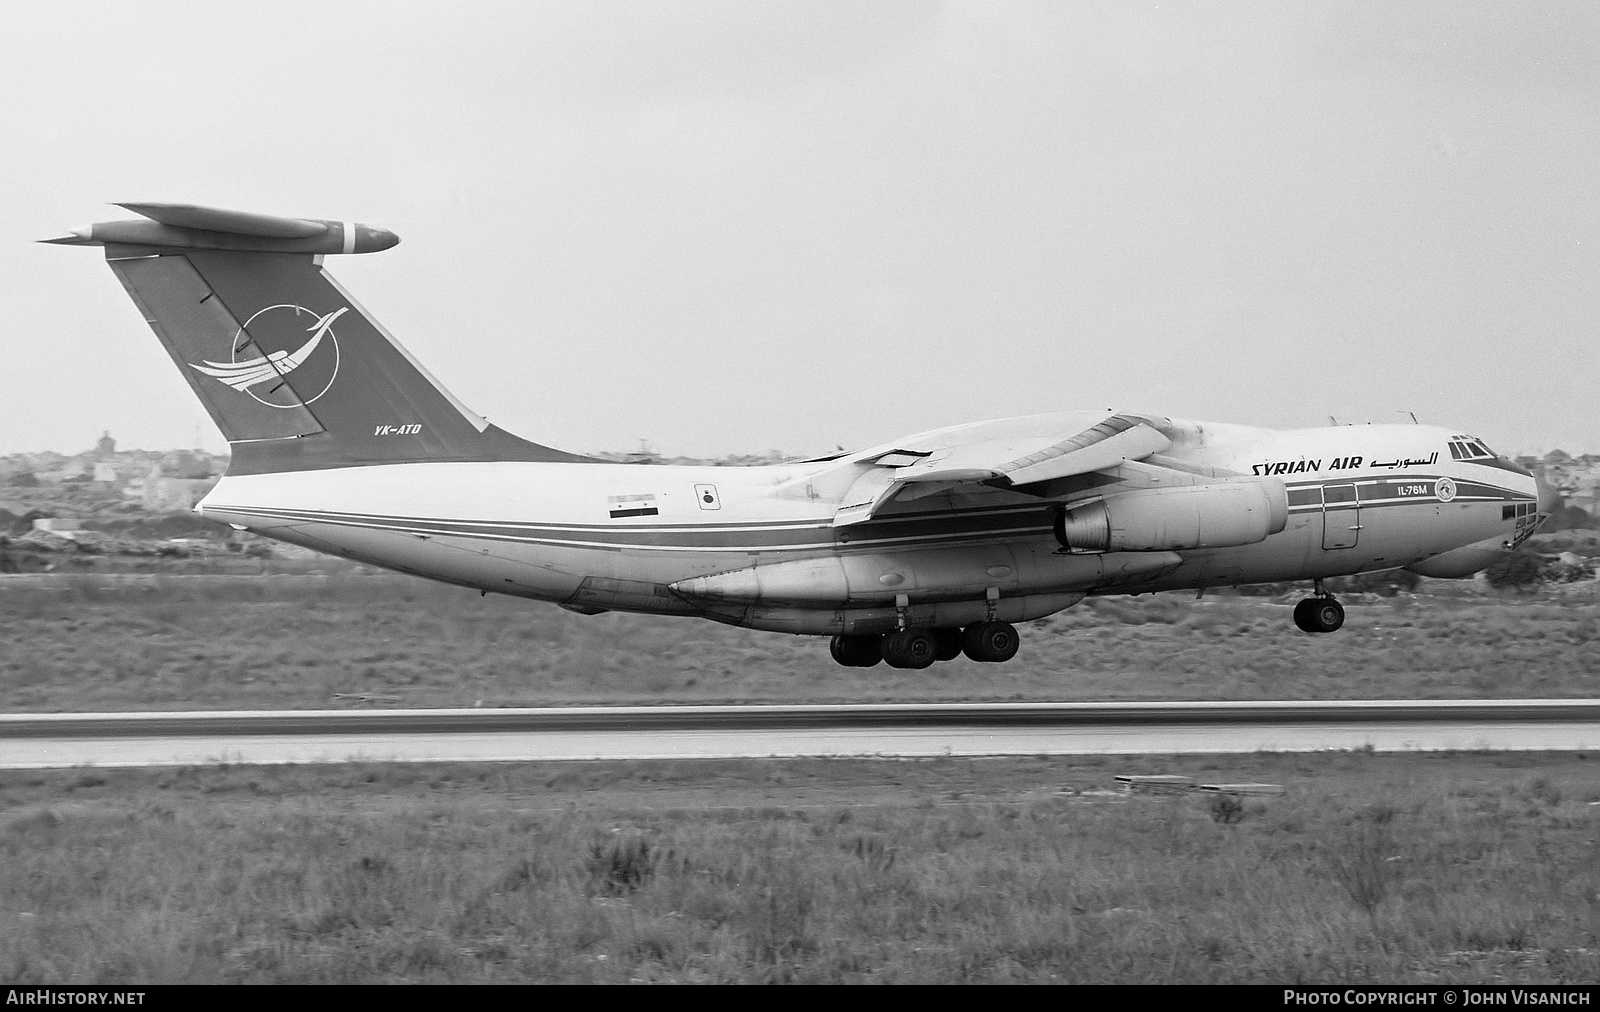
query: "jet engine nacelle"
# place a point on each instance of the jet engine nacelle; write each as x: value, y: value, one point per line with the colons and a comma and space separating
x: 1220, y: 514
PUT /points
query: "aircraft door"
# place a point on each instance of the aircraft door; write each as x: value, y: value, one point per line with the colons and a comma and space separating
x: 1341, y: 516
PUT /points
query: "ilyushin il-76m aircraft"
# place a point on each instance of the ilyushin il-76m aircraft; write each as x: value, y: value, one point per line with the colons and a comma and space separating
x: 913, y: 551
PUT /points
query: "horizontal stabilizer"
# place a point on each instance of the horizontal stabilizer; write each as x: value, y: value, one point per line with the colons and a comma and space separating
x: 173, y: 227
x: 216, y: 219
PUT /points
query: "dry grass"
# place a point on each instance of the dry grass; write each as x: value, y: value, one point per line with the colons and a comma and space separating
x: 1371, y: 868
x: 142, y: 642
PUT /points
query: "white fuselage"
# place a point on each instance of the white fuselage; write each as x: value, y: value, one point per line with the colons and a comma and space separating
x: 600, y: 536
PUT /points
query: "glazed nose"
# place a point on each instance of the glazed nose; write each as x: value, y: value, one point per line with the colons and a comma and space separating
x: 1549, y: 499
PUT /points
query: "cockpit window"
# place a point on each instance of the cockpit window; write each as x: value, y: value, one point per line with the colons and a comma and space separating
x: 1470, y: 448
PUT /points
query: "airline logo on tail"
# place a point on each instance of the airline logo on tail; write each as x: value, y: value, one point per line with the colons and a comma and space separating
x: 264, y: 376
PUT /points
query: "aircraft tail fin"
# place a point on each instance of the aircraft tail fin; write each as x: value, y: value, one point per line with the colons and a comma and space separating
x: 292, y: 370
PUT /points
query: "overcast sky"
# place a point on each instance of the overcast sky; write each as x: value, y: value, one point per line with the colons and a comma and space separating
x: 738, y: 226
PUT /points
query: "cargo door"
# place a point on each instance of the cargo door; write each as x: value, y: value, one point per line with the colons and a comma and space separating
x: 1341, y: 516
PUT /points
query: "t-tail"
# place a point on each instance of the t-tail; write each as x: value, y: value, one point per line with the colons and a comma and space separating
x: 293, y: 371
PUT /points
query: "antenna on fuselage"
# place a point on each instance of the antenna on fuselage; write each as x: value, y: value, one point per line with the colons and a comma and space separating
x: 1413, y: 415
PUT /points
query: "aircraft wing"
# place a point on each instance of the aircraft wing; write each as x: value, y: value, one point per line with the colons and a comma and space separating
x: 984, y: 455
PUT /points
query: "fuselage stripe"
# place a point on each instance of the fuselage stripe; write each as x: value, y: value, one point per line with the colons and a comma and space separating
x: 719, y: 539
x: 1020, y: 521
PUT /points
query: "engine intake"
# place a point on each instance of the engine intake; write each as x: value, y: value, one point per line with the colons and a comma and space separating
x: 1221, y: 514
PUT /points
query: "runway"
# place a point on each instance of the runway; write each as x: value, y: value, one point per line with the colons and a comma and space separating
x: 35, y: 741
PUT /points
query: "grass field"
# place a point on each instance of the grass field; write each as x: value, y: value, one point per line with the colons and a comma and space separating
x: 1388, y: 868
x: 100, y: 642
x: 1421, y: 868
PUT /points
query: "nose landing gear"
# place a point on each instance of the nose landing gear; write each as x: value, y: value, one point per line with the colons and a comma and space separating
x: 1320, y: 614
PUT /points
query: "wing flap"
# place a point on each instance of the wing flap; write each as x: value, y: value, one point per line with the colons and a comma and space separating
x: 1081, y: 453
x: 928, y: 469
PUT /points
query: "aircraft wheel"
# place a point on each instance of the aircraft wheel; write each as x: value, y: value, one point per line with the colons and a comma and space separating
x: 990, y: 642
x: 1325, y: 614
x: 1319, y: 614
x: 856, y: 651
x: 949, y: 644
x: 910, y: 648
x: 1302, y: 615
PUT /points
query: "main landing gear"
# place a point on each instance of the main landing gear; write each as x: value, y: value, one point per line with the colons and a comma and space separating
x: 990, y: 642
x: 1319, y: 614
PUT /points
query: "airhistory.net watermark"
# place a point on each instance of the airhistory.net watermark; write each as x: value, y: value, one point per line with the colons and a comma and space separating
x: 52, y: 996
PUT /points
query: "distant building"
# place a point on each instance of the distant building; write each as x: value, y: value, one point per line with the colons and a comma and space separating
x: 1586, y: 496
x: 39, y: 463
x: 188, y: 464
x: 105, y: 448
x: 74, y: 469
x: 161, y: 494
x: 1576, y: 478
